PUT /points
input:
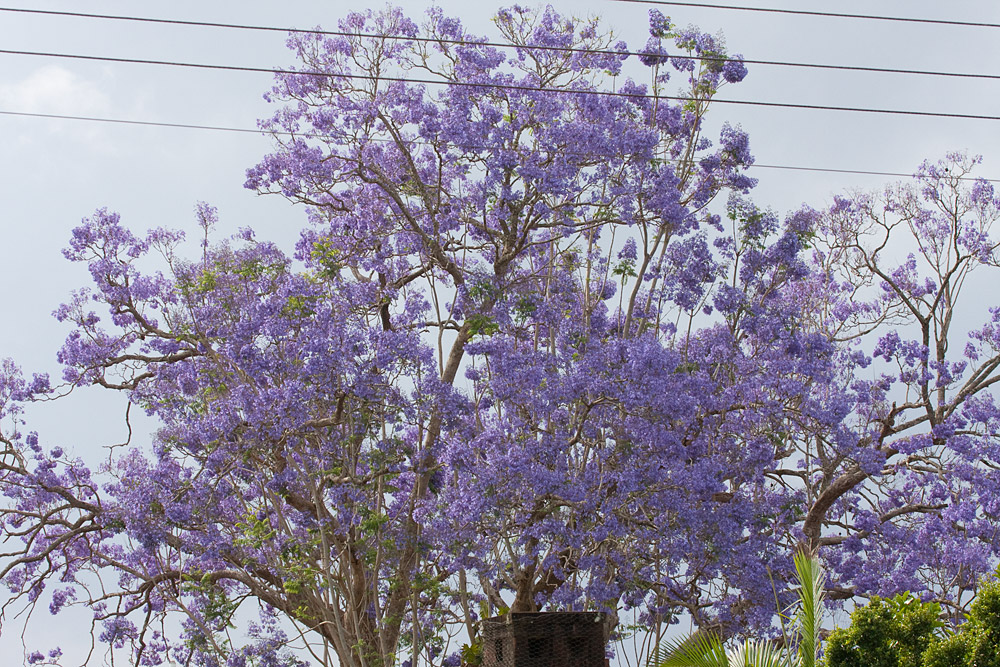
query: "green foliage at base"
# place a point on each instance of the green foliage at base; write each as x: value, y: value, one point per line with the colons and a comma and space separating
x: 472, y: 654
x: 891, y: 632
x: 904, y: 632
x: 800, y: 642
x: 977, y: 644
x: 948, y: 652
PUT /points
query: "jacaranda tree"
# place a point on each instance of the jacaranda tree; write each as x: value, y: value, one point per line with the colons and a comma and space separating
x: 902, y: 495
x: 562, y: 238
x: 524, y: 356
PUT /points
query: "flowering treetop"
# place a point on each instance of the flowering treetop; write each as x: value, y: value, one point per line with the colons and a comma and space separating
x: 521, y: 358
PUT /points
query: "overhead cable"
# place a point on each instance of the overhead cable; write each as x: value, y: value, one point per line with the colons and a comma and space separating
x: 804, y: 12
x: 306, y: 135
x: 524, y: 88
x: 147, y: 123
x: 458, y: 42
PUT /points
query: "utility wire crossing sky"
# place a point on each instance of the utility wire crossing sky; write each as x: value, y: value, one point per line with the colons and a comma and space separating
x: 762, y: 103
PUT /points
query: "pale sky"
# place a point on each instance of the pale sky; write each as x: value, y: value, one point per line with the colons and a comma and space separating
x: 55, y: 172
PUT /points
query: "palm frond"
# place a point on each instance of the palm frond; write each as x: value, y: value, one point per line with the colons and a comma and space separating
x: 761, y: 653
x: 809, y: 617
x: 801, y: 640
x: 701, y: 649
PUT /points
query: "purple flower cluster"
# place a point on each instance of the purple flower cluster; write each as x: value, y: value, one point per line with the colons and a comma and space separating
x: 520, y: 359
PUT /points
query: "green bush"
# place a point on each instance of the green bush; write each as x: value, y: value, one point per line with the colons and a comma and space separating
x: 976, y: 644
x: 887, y: 632
x: 981, y: 633
x: 947, y: 652
x: 893, y: 632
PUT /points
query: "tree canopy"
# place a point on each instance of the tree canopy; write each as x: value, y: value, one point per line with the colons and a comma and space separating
x: 535, y: 350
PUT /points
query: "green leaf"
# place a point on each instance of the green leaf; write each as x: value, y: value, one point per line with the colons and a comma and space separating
x: 810, y: 614
x: 761, y: 653
x: 708, y: 650
x: 702, y: 649
x: 625, y: 268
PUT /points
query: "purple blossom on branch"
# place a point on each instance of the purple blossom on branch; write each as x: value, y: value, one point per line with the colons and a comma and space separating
x: 454, y: 398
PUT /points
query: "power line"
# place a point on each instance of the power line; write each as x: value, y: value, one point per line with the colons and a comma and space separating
x: 802, y: 12
x: 147, y: 123
x: 143, y: 19
x: 270, y: 70
x: 857, y: 68
x: 510, y: 87
x: 442, y: 40
x: 328, y: 33
x: 169, y: 63
x: 823, y: 107
x: 522, y: 88
x: 244, y: 130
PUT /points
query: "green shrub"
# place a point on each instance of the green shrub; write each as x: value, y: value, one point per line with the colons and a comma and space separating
x: 947, y: 652
x: 887, y: 632
x: 891, y: 632
x: 977, y: 643
x: 982, y: 631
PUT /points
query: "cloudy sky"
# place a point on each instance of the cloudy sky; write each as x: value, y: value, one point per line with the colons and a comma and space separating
x: 55, y: 172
